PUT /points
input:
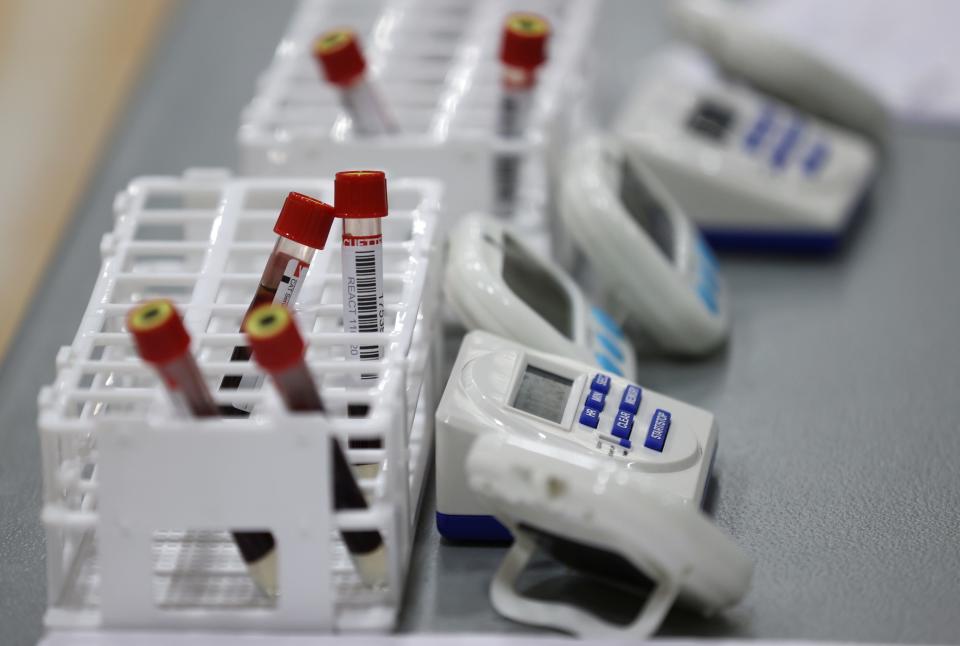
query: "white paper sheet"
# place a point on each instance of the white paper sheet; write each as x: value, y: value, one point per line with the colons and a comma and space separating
x: 906, y: 51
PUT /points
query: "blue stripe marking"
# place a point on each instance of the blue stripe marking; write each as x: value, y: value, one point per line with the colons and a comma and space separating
x: 707, y: 296
x: 706, y: 253
x: 707, y: 280
x: 607, y: 364
x: 789, y: 141
x: 472, y: 527
x: 816, y: 158
x: 760, y: 128
x: 611, y: 347
x: 606, y: 322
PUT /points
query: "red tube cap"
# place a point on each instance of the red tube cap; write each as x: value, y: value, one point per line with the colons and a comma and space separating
x: 305, y: 220
x: 158, y: 331
x: 338, y: 53
x: 274, y: 338
x: 524, y: 40
x: 360, y: 194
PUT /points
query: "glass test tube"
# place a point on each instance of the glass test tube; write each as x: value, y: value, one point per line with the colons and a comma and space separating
x: 279, y: 349
x: 163, y: 342
x: 522, y: 51
x: 360, y: 200
x: 302, y: 228
x: 343, y: 65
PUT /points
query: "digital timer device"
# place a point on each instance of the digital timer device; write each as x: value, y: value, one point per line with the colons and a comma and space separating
x: 742, y: 43
x: 753, y: 172
x: 496, y: 282
x: 602, y: 521
x: 659, y: 274
x: 502, y: 387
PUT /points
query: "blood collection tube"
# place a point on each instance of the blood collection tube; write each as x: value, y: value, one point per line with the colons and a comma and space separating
x: 279, y: 349
x: 302, y: 228
x: 360, y: 200
x: 522, y: 51
x: 339, y: 56
x: 163, y: 342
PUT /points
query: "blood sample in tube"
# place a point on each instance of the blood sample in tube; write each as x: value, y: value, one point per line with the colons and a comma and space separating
x: 343, y: 65
x: 302, y: 228
x: 162, y: 341
x: 279, y: 349
x: 522, y: 52
x: 360, y: 201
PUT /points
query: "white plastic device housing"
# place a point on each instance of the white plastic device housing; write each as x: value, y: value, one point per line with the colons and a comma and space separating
x: 476, y: 290
x: 599, y: 504
x: 775, y: 173
x: 478, y: 399
x: 741, y: 46
x: 137, y: 499
x: 436, y: 64
x: 677, y: 303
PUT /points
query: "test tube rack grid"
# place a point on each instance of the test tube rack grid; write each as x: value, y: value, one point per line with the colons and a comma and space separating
x: 138, y: 500
x: 436, y: 63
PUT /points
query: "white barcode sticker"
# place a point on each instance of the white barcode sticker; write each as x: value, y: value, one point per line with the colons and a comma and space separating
x: 512, y: 107
x: 514, y: 104
x: 290, y: 283
x: 363, y: 293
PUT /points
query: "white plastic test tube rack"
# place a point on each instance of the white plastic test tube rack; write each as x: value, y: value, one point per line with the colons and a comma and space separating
x: 138, y: 500
x: 437, y: 64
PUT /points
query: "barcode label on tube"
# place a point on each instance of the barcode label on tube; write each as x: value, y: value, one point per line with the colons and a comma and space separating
x: 513, y: 109
x: 505, y: 171
x: 512, y: 105
x: 363, y: 293
x: 290, y: 283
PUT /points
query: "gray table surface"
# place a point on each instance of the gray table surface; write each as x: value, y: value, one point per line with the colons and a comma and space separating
x: 839, y: 460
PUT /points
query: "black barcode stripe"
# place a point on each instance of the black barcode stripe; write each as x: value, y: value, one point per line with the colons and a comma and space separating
x: 506, y: 167
x: 509, y: 115
x: 505, y: 178
x: 365, y: 264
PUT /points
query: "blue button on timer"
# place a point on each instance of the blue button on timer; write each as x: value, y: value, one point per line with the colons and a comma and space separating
x: 623, y: 425
x: 657, y: 432
x: 595, y: 400
x: 590, y: 417
x: 601, y: 383
x: 630, y: 402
